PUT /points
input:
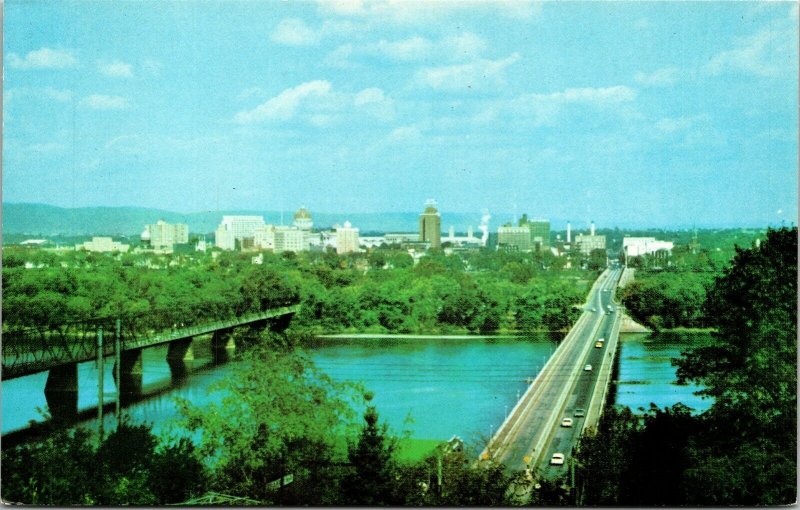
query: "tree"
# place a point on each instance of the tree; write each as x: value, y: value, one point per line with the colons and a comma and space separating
x: 372, y: 480
x: 278, y: 415
x: 750, y: 370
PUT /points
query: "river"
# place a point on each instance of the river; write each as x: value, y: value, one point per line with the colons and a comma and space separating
x: 431, y: 388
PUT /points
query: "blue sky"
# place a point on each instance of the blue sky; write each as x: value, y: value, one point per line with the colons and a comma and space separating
x: 627, y: 113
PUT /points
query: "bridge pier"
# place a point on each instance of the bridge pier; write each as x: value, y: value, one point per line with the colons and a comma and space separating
x: 222, y: 345
x: 181, y: 350
x: 61, y: 391
x: 279, y: 324
x: 130, y: 373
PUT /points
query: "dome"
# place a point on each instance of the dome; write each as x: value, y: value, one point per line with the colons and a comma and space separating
x: 302, y: 213
x: 347, y: 224
x: 145, y: 236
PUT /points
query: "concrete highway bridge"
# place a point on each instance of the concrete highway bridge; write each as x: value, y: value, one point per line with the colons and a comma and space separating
x: 573, y: 384
x: 59, y: 350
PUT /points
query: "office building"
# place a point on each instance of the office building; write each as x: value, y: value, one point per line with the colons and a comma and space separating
x: 587, y: 242
x: 540, y: 233
x: 236, y: 228
x: 346, y: 239
x: 430, y: 225
x: 164, y: 236
x: 289, y: 239
x: 514, y: 238
x: 264, y: 237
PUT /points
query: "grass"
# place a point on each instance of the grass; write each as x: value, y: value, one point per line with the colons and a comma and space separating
x: 412, y: 449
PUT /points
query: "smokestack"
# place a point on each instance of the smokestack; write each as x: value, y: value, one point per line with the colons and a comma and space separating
x: 469, y: 232
x: 569, y: 233
x: 452, y: 232
x: 592, y: 228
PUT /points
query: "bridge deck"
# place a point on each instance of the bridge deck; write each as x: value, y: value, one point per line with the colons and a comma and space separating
x: 53, y: 351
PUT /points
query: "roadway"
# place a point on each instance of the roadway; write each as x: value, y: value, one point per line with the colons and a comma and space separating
x: 532, y: 433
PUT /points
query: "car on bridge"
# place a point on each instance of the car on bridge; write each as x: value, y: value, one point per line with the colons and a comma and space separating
x: 587, y: 368
x: 566, y: 422
x: 580, y: 413
x: 557, y: 459
x: 598, y: 345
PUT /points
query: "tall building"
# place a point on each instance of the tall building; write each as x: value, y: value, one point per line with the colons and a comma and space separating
x: 346, y: 239
x: 236, y: 228
x: 514, y: 238
x: 430, y: 225
x: 163, y: 236
x: 540, y: 233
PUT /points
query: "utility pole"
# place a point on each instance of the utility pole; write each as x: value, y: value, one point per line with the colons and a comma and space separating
x: 117, y: 370
x: 100, y: 374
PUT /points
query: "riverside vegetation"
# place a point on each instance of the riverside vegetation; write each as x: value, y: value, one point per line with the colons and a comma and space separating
x: 293, y: 419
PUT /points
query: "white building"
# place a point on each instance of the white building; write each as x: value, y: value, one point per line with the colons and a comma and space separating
x: 290, y: 239
x: 236, y: 228
x: 103, y: 245
x: 264, y: 237
x: 637, y: 246
x: 302, y: 219
x: 346, y: 239
x: 164, y: 236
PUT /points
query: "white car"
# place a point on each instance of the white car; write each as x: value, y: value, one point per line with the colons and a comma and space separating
x: 566, y: 422
x: 587, y: 368
x: 557, y: 459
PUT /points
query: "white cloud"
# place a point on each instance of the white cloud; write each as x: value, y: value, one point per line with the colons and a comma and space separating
x: 48, y: 147
x: 48, y: 93
x: 115, y: 69
x: 659, y: 78
x: 375, y: 103
x: 480, y: 73
x: 411, y: 12
x: 44, y: 58
x: 466, y: 46
x: 284, y: 105
x: 62, y: 96
x: 404, y: 134
x: 768, y: 53
x: 294, y: 32
x: 672, y: 125
x: 547, y: 108
x: 103, y: 102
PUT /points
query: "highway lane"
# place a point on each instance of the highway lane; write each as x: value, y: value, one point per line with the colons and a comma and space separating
x: 525, y: 438
x: 564, y: 439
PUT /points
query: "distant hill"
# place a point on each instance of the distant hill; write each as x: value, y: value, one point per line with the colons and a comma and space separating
x: 48, y: 220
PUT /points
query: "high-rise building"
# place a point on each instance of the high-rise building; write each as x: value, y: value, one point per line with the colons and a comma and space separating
x: 514, y: 238
x: 430, y: 225
x: 346, y: 239
x: 163, y: 236
x: 540, y: 233
x: 236, y: 228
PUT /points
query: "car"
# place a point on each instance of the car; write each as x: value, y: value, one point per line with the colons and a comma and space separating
x: 587, y: 368
x: 593, y: 309
x: 566, y: 422
x: 601, y: 340
x: 598, y: 345
x: 580, y: 413
x: 557, y: 459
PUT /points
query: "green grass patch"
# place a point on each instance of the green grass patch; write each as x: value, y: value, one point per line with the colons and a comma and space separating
x: 411, y: 449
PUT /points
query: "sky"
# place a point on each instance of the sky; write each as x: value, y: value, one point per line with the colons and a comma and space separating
x: 626, y: 113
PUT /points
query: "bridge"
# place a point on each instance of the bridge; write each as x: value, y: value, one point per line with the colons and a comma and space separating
x: 576, y: 377
x: 59, y: 349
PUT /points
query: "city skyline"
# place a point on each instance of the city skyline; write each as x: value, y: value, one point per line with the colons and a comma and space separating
x: 675, y: 114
